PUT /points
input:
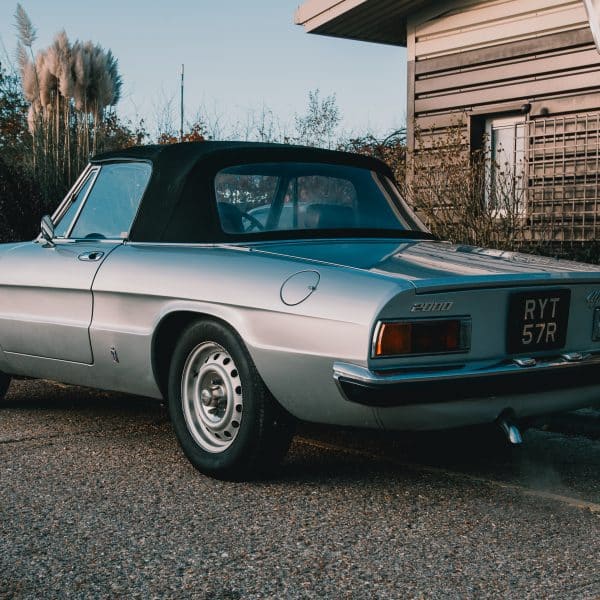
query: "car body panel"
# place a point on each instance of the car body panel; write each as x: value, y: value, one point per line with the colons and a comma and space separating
x: 317, y: 332
x: 46, y: 300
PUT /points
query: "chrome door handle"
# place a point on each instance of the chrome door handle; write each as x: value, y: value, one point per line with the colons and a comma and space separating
x: 91, y: 256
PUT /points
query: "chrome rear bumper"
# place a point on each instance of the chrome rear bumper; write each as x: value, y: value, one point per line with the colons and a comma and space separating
x: 434, y: 385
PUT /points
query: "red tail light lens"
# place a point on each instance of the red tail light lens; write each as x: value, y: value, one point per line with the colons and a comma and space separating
x: 439, y: 336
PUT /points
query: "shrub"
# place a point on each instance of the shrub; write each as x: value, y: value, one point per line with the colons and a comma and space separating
x: 463, y: 196
x: 21, y: 205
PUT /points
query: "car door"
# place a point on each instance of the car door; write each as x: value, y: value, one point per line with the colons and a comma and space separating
x: 46, y: 302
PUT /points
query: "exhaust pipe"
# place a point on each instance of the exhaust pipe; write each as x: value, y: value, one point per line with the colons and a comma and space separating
x: 510, y: 429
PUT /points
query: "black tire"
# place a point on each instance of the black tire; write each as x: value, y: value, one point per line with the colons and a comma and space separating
x: 4, y: 384
x: 212, y: 376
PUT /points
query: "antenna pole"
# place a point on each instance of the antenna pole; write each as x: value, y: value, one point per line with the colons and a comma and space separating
x: 181, y: 106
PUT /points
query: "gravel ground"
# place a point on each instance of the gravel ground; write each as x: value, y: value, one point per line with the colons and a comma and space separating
x: 97, y: 501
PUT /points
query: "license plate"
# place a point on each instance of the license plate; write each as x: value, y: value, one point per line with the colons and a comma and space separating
x: 538, y: 321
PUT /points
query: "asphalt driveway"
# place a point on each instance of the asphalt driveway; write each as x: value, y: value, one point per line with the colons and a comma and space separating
x: 97, y: 501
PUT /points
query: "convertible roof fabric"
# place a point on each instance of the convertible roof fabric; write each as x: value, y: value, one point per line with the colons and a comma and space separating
x: 177, y: 207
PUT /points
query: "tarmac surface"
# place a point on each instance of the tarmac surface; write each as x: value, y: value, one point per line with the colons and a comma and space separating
x: 97, y: 501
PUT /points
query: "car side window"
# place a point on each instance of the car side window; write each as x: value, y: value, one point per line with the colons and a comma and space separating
x: 62, y: 227
x: 113, y: 201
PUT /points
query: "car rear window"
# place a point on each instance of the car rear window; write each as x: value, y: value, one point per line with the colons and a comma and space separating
x: 269, y: 197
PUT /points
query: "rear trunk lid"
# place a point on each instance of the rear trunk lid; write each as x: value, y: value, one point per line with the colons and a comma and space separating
x: 433, y: 266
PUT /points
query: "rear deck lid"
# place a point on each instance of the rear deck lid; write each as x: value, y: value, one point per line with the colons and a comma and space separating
x: 432, y: 266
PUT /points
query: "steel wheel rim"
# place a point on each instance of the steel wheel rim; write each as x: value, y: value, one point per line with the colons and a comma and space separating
x: 211, y: 397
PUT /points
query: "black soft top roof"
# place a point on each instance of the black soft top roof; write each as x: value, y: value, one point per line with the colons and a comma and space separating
x: 180, y: 171
x: 193, y: 152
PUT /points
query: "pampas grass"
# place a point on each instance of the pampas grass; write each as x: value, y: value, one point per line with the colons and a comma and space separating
x: 25, y: 30
x: 70, y: 88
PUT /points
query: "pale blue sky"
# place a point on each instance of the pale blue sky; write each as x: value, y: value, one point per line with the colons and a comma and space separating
x: 239, y: 55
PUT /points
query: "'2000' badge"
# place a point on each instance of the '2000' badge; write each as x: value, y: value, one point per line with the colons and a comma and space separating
x: 427, y: 307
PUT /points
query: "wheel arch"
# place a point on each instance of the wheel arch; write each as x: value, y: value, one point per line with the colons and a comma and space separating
x: 166, y: 334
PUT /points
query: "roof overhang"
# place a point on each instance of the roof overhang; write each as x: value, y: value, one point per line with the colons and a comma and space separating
x: 382, y: 21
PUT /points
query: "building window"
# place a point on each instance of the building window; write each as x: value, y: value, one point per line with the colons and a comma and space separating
x: 505, y: 138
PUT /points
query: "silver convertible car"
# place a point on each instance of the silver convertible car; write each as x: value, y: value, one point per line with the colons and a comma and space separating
x: 252, y: 285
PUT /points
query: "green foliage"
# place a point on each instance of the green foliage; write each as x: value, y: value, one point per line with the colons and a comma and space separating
x: 53, y: 117
x: 196, y: 132
x: 21, y: 204
x: 464, y: 196
x: 318, y: 125
x: 391, y: 149
x: 455, y: 192
x: 14, y: 138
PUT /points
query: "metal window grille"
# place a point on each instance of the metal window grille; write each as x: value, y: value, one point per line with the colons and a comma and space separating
x: 563, y: 186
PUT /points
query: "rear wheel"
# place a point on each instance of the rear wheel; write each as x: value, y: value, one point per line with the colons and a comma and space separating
x: 227, y: 422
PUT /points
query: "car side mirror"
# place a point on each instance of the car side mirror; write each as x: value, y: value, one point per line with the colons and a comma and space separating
x: 47, y: 229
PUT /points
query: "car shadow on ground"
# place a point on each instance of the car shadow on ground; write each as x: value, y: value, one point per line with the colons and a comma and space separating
x: 30, y: 394
x: 544, y: 461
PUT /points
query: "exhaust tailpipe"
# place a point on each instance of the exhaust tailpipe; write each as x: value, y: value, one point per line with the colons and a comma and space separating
x: 510, y: 429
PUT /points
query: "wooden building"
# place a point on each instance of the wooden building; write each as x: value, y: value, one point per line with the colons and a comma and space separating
x: 523, y: 74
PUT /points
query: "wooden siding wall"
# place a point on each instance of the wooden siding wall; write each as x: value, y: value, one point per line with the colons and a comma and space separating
x: 493, y: 57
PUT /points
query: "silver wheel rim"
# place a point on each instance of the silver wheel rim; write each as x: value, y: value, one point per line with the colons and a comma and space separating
x: 211, y: 397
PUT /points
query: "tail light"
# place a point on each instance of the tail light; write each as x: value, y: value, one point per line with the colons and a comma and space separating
x: 436, y: 336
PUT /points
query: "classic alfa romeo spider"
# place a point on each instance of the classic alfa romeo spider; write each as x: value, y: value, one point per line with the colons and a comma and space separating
x: 253, y: 285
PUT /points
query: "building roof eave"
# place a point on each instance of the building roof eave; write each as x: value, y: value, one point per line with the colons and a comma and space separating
x: 381, y: 21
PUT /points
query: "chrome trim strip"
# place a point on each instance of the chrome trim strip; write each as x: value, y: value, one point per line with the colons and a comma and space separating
x: 55, y: 360
x: 62, y: 208
x: 374, y: 338
x: 74, y: 189
x: 72, y: 241
x: 189, y: 245
x: 364, y: 376
x: 93, y: 175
